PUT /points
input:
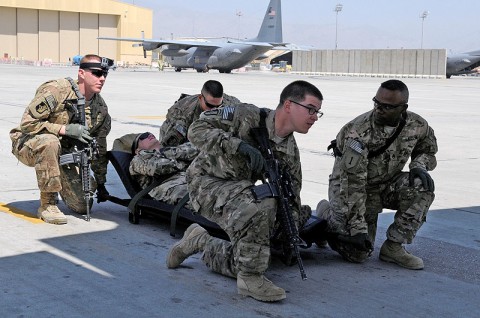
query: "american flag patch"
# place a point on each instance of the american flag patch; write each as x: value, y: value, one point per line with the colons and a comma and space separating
x: 227, y: 113
x: 51, y: 102
x: 356, y: 146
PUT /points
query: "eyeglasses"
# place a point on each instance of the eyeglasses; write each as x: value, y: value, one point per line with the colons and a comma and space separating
x: 385, y: 106
x: 145, y: 135
x: 98, y: 73
x: 311, y: 110
x: 210, y: 105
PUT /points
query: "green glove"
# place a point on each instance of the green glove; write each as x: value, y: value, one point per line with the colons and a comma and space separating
x: 79, y: 132
x: 424, y: 176
x: 257, y: 162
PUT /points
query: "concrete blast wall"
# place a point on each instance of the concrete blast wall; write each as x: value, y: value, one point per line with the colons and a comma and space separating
x: 389, y: 63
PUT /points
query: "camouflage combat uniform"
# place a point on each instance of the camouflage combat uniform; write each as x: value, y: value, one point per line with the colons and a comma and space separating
x: 148, y: 163
x: 37, y: 143
x: 181, y: 115
x: 360, y: 187
x: 220, y: 181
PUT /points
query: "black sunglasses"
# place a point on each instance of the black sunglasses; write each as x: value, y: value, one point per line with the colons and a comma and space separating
x: 385, y: 106
x: 210, y: 105
x: 98, y: 73
x: 144, y: 135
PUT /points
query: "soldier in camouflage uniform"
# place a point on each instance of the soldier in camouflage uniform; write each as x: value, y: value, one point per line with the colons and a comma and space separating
x: 152, y: 159
x: 371, y: 151
x: 220, y: 182
x: 181, y: 115
x: 49, y: 128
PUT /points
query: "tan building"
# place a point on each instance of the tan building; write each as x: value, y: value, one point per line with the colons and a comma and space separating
x: 57, y: 30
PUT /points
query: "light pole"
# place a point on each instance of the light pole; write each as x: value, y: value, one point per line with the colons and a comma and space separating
x: 239, y: 15
x: 423, y: 16
x: 337, y: 9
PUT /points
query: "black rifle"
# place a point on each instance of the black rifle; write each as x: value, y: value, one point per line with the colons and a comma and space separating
x: 277, y: 184
x: 82, y: 154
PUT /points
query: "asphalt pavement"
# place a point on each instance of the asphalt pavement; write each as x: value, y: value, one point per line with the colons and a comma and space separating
x: 109, y: 267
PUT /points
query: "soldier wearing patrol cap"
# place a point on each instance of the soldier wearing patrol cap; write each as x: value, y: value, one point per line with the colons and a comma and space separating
x: 370, y: 153
x: 50, y: 127
x: 181, y: 115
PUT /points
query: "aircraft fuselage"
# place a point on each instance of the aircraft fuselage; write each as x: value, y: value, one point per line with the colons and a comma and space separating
x: 226, y: 58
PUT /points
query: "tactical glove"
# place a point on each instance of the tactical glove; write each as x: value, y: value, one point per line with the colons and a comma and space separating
x: 256, y: 160
x: 424, y: 176
x: 102, y: 193
x: 79, y: 132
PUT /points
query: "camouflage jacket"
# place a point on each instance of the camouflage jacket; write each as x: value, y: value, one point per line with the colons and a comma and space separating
x: 354, y: 174
x: 181, y: 115
x: 53, y: 106
x: 217, y: 134
x: 148, y: 163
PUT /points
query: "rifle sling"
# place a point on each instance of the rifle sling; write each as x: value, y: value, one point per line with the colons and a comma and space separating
x: 390, y: 140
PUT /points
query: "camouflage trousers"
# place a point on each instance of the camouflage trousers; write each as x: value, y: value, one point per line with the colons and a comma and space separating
x: 247, y: 222
x: 42, y: 152
x: 411, y: 205
x: 171, y: 190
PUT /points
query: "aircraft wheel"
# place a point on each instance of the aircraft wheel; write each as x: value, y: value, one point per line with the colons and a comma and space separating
x: 200, y: 71
x: 221, y: 71
x: 178, y: 69
x: 228, y: 71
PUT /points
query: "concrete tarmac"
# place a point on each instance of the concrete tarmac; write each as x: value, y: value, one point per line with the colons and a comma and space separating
x: 110, y: 268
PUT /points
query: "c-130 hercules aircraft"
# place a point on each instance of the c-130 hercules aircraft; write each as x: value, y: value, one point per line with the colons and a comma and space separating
x: 223, y: 56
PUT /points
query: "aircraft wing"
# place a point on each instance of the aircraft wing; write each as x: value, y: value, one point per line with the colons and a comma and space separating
x: 257, y: 44
x: 157, y: 43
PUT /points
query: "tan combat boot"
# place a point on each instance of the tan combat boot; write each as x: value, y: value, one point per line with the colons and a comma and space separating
x: 322, y: 206
x: 394, y: 252
x: 193, y: 241
x: 259, y: 287
x: 48, y: 210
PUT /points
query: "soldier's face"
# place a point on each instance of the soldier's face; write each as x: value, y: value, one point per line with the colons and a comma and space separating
x: 93, y: 80
x: 208, y: 102
x: 149, y: 143
x: 302, y: 119
x: 388, y: 117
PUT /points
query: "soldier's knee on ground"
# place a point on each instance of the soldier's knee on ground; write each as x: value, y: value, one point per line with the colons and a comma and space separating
x: 348, y: 252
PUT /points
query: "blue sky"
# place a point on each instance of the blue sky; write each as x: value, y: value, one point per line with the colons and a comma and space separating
x: 362, y: 24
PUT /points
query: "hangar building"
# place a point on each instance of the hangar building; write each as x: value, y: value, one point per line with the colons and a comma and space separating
x: 57, y: 30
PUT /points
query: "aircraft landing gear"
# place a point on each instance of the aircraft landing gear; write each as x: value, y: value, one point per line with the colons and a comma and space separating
x: 178, y: 69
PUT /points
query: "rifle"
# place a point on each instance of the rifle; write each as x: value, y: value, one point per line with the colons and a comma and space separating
x: 277, y: 184
x: 82, y: 155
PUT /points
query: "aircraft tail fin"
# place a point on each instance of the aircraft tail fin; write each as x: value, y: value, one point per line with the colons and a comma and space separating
x: 271, y: 29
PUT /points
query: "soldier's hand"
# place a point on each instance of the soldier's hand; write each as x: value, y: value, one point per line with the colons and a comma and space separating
x: 102, y: 193
x: 424, y: 176
x: 256, y: 160
x: 79, y: 132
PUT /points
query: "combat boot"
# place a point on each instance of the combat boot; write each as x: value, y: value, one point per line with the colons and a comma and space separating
x: 48, y: 210
x: 259, y: 287
x: 193, y: 241
x: 394, y: 252
x: 322, y: 206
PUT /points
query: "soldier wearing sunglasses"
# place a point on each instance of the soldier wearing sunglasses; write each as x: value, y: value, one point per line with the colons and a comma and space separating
x: 370, y: 154
x: 50, y: 127
x: 151, y: 159
x: 181, y: 115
